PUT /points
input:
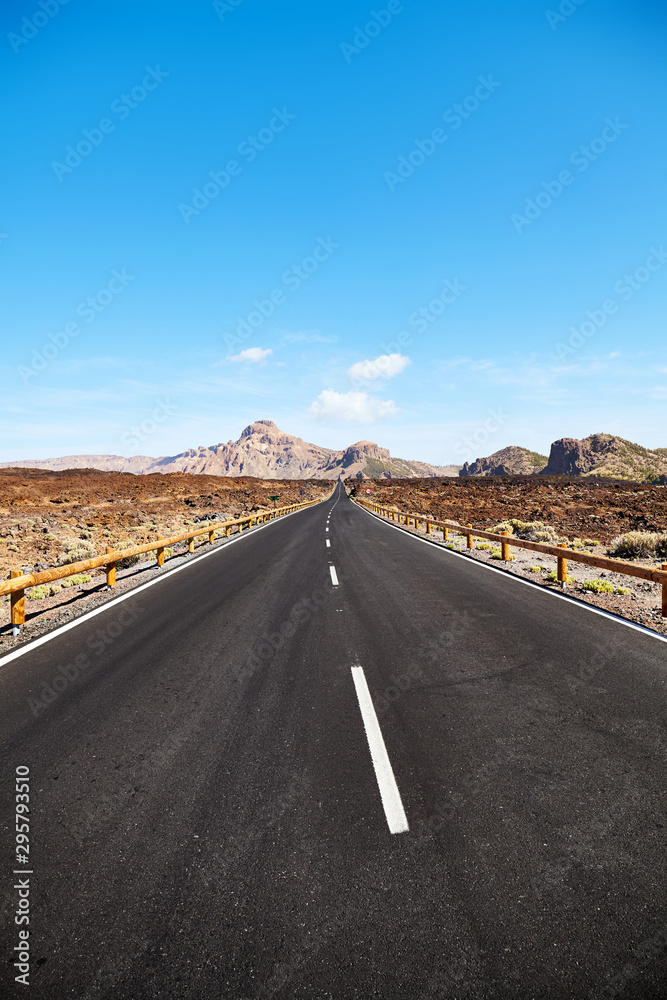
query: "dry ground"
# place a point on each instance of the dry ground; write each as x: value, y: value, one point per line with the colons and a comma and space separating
x: 43, y: 513
x: 598, y: 510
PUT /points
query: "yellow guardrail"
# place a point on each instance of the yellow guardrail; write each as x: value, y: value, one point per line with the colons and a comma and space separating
x: 18, y: 582
x: 561, y: 551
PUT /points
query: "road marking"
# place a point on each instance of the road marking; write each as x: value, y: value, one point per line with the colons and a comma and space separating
x: 327, y: 529
x: 517, y: 579
x: 334, y: 578
x: 391, y: 797
x: 328, y: 544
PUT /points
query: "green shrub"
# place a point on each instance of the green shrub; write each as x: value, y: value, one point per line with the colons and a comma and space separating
x: 76, y: 580
x: 531, y: 531
x: 536, y: 569
x: 484, y: 545
x: 591, y: 542
x: 128, y: 560
x: 552, y: 577
x: 598, y: 586
x: 76, y: 552
x: 46, y: 590
x: 622, y: 590
x: 497, y: 553
x: 639, y: 545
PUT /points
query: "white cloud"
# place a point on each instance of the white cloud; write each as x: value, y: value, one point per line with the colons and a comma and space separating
x: 386, y: 366
x: 357, y: 406
x: 251, y: 356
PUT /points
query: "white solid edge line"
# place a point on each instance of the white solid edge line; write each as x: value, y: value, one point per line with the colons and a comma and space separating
x: 389, y: 793
x: 137, y: 590
x: 334, y: 578
x: 518, y: 579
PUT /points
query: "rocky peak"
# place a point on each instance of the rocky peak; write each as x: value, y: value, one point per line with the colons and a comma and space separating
x: 571, y: 457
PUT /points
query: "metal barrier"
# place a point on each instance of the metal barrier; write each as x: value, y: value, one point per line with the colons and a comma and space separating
x: 18, y: 582
x: 561, y: 552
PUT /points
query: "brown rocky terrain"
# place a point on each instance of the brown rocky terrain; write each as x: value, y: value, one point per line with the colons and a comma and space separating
x: 586, y: 512
x: 43, y: 514
x: 576, y: 507
x: 262, y: 451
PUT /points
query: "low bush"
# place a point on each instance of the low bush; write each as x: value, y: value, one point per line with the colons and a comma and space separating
x: 497, y: 553
x: 45, y: 590
x: 552, y: 577
x: 128, y: 560
x: 598, y: 586
x: 639, y: 545
x: 536, y: 569
x: 76, y: 580
x: 484, y: 545
x: 530, y: 531
x: 75, y: 552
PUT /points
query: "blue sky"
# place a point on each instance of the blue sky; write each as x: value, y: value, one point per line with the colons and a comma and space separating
x: 221, y: 212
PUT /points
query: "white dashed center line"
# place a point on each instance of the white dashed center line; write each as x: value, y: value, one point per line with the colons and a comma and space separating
x: 334, y: 578
x: 389, y: 793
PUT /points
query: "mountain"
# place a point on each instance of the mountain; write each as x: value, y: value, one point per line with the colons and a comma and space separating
x: 606, y: 455
x: 596, y: 455
x: 510, y: 461
x: 262, y: 451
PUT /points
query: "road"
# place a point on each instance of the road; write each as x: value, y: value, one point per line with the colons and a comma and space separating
x: 409, y: 777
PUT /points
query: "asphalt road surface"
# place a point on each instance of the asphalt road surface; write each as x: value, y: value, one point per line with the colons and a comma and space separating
x: 368, y: 768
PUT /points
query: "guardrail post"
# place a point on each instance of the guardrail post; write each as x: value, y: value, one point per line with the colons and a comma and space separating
x: 111, y: 572
x: 160, y: 553
x: 211, y: 536
x: 562, y: 565
x: 664, y: 595
x: 416, y: 524
x: 17, y: 604
x: 191, y: 544
x: 469, y: 536
x: 445, y: 534
x: 505, y: 547
x: 428, y: 527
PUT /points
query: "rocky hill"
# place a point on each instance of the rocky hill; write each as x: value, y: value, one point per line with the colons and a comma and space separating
x: 263, y: 451
x: 597, y: 455
x: 510, y: 461
x: 606, y: 455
